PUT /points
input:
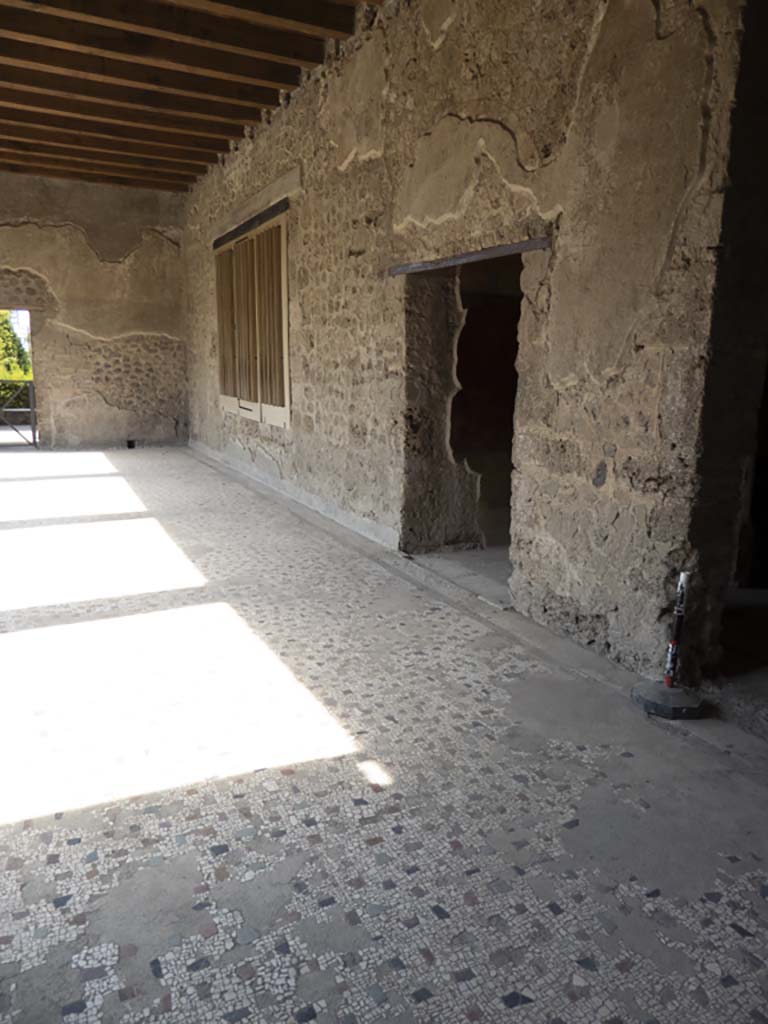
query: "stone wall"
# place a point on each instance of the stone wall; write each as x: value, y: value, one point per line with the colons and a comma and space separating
x: 447, y: 126
x: 99, y: 267
x: 439, y: 494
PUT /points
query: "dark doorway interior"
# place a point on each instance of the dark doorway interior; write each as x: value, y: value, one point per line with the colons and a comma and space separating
x: 745, y: 618
x: 470, y: 522
x: 729, y: 514
x: 756, y: 547
x: 461, y: 383
x: 482, y: 411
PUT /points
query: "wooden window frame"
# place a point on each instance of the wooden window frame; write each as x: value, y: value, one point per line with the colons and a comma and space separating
x: 257, y: 410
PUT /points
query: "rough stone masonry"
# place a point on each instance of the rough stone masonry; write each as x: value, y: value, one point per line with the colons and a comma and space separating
x: 98, y: 267
x: 604, y: 128
x: 449, y: 127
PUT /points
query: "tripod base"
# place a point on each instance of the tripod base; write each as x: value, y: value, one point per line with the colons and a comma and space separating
x: 668, y: 701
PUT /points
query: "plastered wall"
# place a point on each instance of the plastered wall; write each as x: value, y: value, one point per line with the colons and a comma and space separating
x: 453, y: 125
x: 100, y: 268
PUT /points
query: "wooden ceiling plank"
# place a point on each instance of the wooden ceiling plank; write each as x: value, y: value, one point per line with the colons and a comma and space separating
x: 106, y: 169
x: 43, y: 103
x: 99, y: 129
x: 98, y: 41
x: 94, y: 178
x: 54, y: 137
x: 181, y: 25
x: 77, y: 156
x: 318, y: 18
x: 125, y: 73
x: 38, y: 80
x: 147, y: 91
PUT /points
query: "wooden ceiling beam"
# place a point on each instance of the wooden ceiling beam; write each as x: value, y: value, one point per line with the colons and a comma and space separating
x: 98, y: 41
x: 59, y: 139
x: 43, y: 104
x: 318, y: 18
x: 185, y: 26
x: 148, y: 92
x: 46, y: 171
x: 99, y: 129
x: 125, y: 73
x: 73, y: 152
x: 69, y: 87
x: 15, y: 147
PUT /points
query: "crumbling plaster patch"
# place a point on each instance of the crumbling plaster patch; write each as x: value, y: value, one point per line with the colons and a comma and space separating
x: 437, y: 16
x: 111, y: 389
x: 107, y: 351
x: 603, y: 125
x: 104, y: 298
x: 25, y: 289
x: 112, y: 218
x: 442, y: 180
x: 351, y: 111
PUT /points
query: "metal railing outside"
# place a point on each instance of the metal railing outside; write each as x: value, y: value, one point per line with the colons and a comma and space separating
x: 18, y: 408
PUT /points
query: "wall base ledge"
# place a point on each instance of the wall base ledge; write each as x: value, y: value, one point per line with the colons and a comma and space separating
x: 387, y: 536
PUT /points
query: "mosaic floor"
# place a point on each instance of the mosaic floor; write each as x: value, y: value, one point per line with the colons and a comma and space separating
x: 257, y: 769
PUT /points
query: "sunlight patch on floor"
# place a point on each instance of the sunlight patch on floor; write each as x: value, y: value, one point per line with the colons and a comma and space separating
x: 114, y: 708
x: 49, y: 565
x: 30, y: 500
x: 19, y: 465
x: 374, y: 773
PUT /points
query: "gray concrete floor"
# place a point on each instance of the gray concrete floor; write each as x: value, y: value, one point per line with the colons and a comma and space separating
x: 482, y: 572
x: 258, y: 769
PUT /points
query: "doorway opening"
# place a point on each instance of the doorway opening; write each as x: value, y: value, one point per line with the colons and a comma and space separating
x: 461, y: 330
x: 18, y: 415
x: 745, y: 617
x: 482, y: 411
x: 729, y: 518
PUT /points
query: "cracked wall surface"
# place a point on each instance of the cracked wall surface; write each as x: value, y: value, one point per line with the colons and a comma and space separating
x: 446, y: 127
x: 440, y: 507
x: 100, y: 269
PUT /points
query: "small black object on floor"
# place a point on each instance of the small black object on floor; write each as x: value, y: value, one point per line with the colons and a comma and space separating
x: 668, y: 701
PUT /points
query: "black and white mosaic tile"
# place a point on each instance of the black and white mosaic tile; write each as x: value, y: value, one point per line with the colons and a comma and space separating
x: 505, y: 839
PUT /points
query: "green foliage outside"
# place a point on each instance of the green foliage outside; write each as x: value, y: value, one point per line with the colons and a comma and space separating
x: 14, y: 359
x: 15, y: 364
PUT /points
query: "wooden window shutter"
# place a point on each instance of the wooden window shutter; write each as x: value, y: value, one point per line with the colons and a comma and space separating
x: 226, y: 320
x: 271, y: 315
x: 252, y: 301
x: 245, y: 322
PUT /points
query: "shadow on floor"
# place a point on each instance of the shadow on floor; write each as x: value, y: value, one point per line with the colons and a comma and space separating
x: 740, y: 688
x: 482, y: 571
x: 290, y: 781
